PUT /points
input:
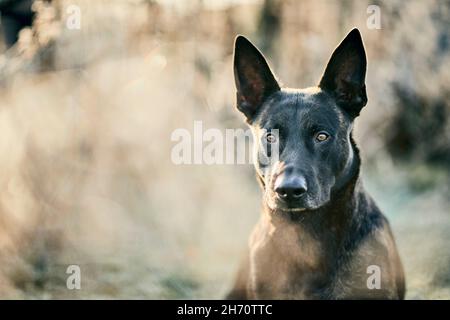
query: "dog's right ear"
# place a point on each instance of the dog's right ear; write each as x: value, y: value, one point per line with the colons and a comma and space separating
x: 253, y: 77
x: 345, y: 74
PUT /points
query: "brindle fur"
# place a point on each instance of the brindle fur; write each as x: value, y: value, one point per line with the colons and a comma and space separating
x: 321, y: 246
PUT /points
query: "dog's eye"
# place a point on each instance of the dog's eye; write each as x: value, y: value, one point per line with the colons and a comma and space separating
x: 322, y: 136
x: 271, y: 138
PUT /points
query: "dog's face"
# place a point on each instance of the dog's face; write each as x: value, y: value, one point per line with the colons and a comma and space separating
x: 302, y: 138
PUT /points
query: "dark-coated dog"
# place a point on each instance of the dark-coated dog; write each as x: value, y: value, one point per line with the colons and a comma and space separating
x: 320, y: 236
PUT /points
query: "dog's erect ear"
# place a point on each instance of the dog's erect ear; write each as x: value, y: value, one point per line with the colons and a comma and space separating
x: 253, y: 77
x: 345, y: 74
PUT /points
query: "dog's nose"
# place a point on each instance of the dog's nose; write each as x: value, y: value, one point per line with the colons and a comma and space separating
x: 290, y: 188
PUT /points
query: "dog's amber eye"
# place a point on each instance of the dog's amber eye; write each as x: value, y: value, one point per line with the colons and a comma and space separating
x: 271, y: 138
x: 322, y: 136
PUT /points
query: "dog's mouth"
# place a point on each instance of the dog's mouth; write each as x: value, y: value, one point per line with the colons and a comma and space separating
x: 284, y: 208
x: 277, y: 204
x: 293, y: 209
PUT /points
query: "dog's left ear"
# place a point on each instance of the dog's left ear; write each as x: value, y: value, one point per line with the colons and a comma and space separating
x: 345, y: 74
x: 254, y: 80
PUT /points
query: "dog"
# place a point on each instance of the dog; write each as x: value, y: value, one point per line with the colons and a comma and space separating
x: 320, y: 235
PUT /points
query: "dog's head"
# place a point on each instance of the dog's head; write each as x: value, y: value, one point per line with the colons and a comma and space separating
x: 302, y: 137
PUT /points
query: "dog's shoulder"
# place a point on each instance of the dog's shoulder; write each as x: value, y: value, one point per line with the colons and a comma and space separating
x: 377, y: 252
x: 374, y: 228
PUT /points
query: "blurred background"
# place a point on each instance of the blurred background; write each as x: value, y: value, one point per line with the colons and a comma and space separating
x: 87, y: 107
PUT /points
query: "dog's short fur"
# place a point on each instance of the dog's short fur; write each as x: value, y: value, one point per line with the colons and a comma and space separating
x: 320, y: 232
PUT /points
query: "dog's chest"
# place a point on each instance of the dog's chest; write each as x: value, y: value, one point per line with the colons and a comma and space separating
x: 286, y: 263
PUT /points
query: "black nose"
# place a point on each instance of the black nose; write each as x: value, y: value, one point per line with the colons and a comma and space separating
x: 290, y: 188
